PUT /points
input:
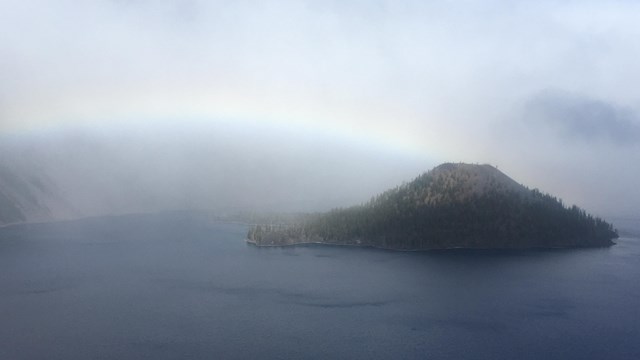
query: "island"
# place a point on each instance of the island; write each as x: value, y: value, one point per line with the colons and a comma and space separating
x: 454, y: 205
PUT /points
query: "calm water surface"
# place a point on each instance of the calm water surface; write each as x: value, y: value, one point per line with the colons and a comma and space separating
x: 174, y: 286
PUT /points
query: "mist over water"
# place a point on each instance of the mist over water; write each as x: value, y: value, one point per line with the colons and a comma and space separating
x: 178, y: 285
x: 226, y: 166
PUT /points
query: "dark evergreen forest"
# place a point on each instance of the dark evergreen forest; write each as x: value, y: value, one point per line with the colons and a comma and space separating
x: 453, y: 205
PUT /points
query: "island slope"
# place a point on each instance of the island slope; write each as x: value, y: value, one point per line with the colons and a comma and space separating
x: 451, y: 206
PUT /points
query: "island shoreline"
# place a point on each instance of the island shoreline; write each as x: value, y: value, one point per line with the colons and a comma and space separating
x: 317, y: 243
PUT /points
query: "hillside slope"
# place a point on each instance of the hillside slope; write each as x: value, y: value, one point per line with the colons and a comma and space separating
x: 28, y: 196
x: 453, y: 205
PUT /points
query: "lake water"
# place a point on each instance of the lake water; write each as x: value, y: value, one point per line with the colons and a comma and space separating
x: 175, y: 286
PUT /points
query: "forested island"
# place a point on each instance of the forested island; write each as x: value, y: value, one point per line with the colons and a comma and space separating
x: 451, y: 206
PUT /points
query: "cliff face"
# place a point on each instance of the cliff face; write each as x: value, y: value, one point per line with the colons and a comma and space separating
x: 28, y: 196
x: 453, y: 205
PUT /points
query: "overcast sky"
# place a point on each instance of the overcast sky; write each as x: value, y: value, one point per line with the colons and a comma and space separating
x: 545, y: 90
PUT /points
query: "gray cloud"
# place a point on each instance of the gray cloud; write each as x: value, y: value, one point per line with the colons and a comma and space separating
x: 584, y: 118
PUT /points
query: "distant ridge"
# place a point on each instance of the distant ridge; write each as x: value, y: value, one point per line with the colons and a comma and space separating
x: 455, y: 205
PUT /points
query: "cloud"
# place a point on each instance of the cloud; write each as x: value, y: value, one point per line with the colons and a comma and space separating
x: 438, y: 77
x: 583, y: 118
x: 420, y: 66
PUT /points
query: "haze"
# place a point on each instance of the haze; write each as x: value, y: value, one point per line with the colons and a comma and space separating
x: 128, y: 106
